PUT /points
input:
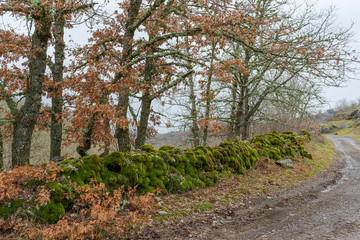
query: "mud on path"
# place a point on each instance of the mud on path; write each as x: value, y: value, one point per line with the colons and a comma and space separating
x: 324, y: 207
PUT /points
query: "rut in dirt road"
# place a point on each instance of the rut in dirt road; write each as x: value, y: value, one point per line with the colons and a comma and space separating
x: 326, y: 207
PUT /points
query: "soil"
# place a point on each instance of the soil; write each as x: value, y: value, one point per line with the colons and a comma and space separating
x: 326, y: 206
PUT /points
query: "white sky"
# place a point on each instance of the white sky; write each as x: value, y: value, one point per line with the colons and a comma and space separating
x: 347, y: 12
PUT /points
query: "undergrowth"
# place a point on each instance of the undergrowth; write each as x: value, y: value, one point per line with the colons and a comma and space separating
x: 95, y: 214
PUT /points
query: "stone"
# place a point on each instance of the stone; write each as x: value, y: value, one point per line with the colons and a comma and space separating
x: 354, y: 115
x: 285, y: 163
x: 57, y: 159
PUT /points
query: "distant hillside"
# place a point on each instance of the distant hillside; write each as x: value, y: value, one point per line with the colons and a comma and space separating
x: 345, y: 121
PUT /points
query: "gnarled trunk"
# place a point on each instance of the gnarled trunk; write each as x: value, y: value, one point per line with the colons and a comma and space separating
x: 26, y: 118
x: 57, y: 100
x: 195, y: 130
x: 146, y: 100
x: 122, y: 133
x: 1, y: 150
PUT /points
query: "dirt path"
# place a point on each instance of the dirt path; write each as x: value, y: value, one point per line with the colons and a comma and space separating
x: 325, y: 207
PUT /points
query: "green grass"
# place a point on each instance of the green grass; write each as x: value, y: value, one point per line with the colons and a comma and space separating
x: 342, y: 130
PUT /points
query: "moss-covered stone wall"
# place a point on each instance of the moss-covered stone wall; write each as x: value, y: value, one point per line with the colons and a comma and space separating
x: 171, y: 169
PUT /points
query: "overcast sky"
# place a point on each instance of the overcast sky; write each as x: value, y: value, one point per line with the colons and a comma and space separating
x: 347, y: 12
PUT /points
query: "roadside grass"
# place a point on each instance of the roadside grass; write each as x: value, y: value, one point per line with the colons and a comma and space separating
x: 339, y: 123
x: 345, y: 128
x: 233, y: 190
x: 348, y: 132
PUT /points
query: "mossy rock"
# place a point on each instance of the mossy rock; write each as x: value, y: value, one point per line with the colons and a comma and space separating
x: 306, y: 154
x: 176, y: 151
x: 135, y: 172
x: 274, y: 155
x: 190, y: 170
x: 306, y: 134
x: 110, y: 178
x: 69, y: 160
x: 10, y: 208
x: 51, y: 213
x: 179, y: 184
x: 158, y: 182
x: 226, y: 144
x: 147, y: 189
x: 190, y: 158
x: 114, y: 161
x: 166, y: 148
x: 147, y: 148
x: 61, y: 193
x: 88, y: 168
x: 166, y: 157
x: 207, y: 162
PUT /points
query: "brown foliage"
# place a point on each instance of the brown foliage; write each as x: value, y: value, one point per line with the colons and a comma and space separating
x: 95, y: 214
x: 12, y: 181
x: 100, y: 213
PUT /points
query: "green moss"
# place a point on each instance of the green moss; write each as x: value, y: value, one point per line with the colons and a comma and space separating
x: 166, y: 148
x: 179, y: 184
x: 147, y: 148
x: 114, y: 161
x: 66, y: 161
x: 226, y: 144
x: 51, y: 212
x: 135, y: 172
x: 110, y: 178
x: 306, y: 154
x: 123, y: 180
x: 209, y: 178
x: 146, y: 182
x: 306, y: 134
x: 166, y: 157
x: 60, y: 193
x: 10, y: 208
x: 87, y: 168
x: 274, y: 155
x: 204, y: 162
x: 147, y: 189
x: 157, y: 182
x: 190, y: 170
x: 33, y: 182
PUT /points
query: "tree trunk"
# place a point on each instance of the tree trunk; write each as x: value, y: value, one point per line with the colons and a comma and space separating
x: 57, y: 100
x: 146, y: 100
x: 239, y: 114
x: 242, y: 111
x: 26, y: 119
x: 232, y: 121
x: 195, y: 130
x: 86, y: 141
x: 144, y: 120
x: 208, y: 100
x: 1, y: 151
x: 107, y: 142
x: 122, y: 133
x: 246, y: 120
x: 245, y: 129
